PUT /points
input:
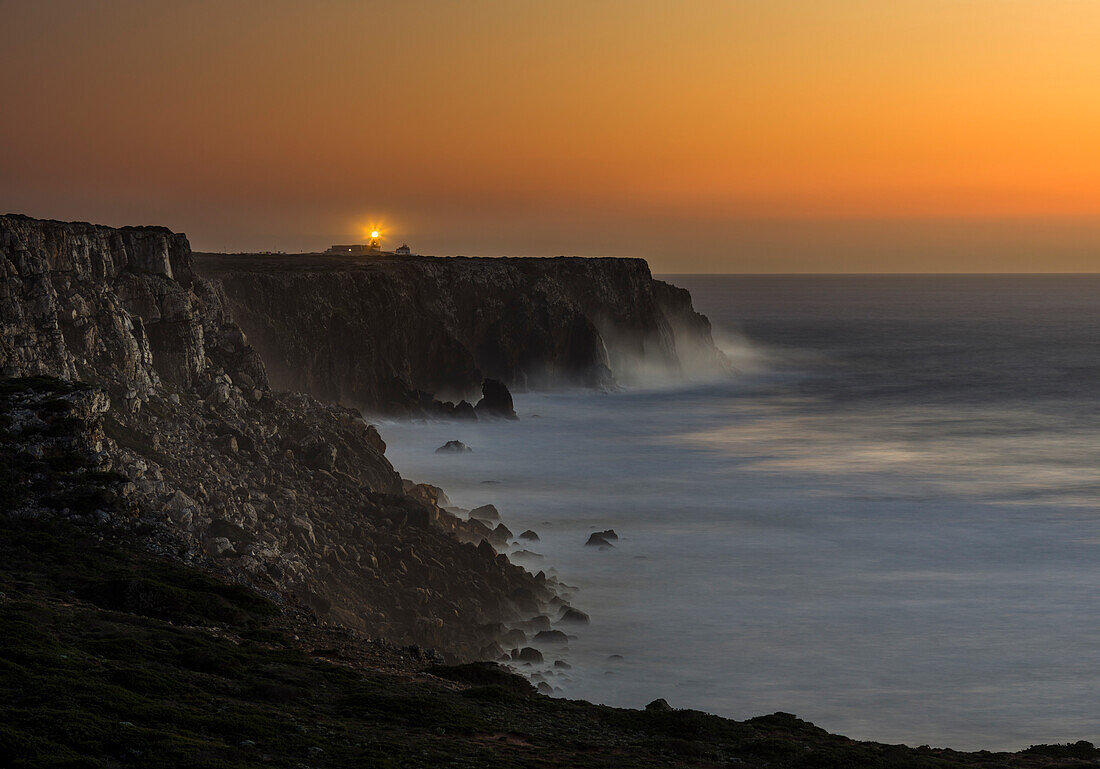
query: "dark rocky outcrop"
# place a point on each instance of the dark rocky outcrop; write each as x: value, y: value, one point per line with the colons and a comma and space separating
x: 495, y: 401
x: 500, y: 536
x: 574, y: 616
x: 384, y: 333
x: 595, y: 540
x: 485, y: 513
x: 550, y: 637
x: 527, y: 654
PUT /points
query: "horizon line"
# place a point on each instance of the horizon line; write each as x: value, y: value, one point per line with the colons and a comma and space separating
x: 872, y: 274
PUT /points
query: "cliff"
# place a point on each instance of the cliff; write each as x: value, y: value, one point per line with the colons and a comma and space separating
x: 378, y: 332
x: 129, y: 371
x: 120, y: 306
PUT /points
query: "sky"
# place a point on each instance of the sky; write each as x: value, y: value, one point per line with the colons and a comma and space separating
x: 703, y: 135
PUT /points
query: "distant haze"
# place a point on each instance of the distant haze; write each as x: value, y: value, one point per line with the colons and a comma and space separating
x: 709, y: 136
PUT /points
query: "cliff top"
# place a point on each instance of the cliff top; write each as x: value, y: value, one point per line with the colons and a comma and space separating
x: 161, y: 230
x: 215, y: 263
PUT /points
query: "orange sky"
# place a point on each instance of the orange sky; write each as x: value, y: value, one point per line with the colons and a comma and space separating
x: 709, y: 135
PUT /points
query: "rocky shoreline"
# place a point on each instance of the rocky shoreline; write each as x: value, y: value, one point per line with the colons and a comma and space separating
x: 115, y: 656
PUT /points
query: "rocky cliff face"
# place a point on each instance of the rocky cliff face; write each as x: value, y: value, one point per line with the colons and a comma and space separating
x: 373, y: 331
x: 177, y: 439
x: 119, y: 305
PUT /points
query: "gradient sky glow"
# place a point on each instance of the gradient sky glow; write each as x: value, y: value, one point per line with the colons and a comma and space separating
x: 704, y: 135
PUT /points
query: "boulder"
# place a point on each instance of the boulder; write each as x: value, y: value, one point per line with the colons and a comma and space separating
x: 485, y: 513
x: 496, y: 401
x: 550, y: 637
x: 433, y: 496
x: 500, y: 535
x: 659, y: 706
x: 595, y: 540
x: 453, y: 447
x: 573, y: 616
x: 527, y: 654
x: 529, y: 535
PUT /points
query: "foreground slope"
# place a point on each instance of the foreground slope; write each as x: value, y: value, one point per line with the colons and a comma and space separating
x: 112, y: 657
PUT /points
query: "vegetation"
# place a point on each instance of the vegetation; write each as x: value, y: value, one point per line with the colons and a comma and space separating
x: 113, y: 657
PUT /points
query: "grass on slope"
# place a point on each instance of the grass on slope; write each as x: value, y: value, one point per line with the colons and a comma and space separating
x: 111, y: 658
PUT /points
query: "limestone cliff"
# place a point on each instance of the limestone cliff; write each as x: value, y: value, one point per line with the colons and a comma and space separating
x: 277, y: 489
x: 118, y: 306
x: 371, y: 331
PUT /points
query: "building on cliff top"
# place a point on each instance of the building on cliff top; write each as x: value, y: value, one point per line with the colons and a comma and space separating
x: 357, y: 249
x: 369, y: 249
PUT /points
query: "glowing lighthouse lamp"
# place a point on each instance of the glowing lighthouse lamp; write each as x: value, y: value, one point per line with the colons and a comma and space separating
x: 375, y: 243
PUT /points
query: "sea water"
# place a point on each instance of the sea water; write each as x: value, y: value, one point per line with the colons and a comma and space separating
x: 887, y: 522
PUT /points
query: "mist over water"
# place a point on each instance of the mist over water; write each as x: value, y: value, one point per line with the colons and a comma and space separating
x: 888, y: 522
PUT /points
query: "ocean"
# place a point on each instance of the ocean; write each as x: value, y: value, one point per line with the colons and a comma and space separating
x: 887, y: 522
